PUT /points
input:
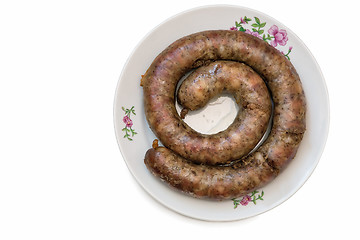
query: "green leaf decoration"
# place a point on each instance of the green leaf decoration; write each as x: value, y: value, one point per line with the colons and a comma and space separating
x: 259, y: 27
x: 254, y: 197
x: 128, y: 123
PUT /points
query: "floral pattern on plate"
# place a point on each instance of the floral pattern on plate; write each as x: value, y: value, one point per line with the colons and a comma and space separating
x: 248, y: 198
x: 129, y: 131
x: 274, y: 36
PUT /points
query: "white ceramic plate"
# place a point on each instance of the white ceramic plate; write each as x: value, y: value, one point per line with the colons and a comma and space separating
x: 135, y: 138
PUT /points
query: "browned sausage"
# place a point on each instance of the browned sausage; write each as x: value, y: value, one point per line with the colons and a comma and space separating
x: 212, y: 182
x: 220, y: 76
x: 250, y: 93
x: 193, y: 50
x: 224, y: 182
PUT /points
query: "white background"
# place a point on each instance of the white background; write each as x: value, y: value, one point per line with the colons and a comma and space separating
x: 62, y: 175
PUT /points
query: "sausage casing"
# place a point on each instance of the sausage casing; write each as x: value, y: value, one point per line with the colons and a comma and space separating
x: 252, y: 171
x: 250, y: 93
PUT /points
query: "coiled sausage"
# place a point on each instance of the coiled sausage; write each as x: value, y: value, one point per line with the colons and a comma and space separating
x: 159, y: 84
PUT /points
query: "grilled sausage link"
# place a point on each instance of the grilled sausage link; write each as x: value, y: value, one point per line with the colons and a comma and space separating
x: 159, y: 83
x: 227, y: 181
x: 209, y: 182
x: 250, y: 93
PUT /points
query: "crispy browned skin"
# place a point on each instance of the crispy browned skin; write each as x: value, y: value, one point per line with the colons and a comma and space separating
x: 250, y: 93
x: 220, y: 76
x: 212, y: 182
x: 159, y: 93
x: 224, y: 182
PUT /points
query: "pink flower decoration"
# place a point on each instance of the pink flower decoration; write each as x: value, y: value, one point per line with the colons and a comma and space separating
x: 246, y: 199
x: 280, y: 36
x: 128, y: 121
x: 242, y: 21
x: 256, y: 34
x: 234, y: 28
